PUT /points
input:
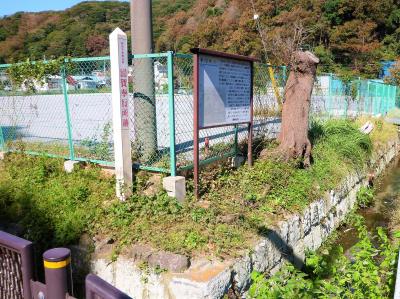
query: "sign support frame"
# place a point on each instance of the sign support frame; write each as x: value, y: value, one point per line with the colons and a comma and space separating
x: 196, y: 127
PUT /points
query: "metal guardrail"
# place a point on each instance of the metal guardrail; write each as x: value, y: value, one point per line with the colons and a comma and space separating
x: 16, y: 267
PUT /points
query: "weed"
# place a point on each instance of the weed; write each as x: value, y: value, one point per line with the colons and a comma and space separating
x: 365, y: 197
x: 158, y: 270
x: 99, y: 149
x: 194, y: 240
x: 145, y: 269
x: 198, y: 214
x: 332, y: 275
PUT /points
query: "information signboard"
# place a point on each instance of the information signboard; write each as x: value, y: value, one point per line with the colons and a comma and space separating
x: 223, y: 96
x: 224, y: 91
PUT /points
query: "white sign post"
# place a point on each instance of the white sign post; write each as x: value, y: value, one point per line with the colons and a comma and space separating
x: 120, y: 108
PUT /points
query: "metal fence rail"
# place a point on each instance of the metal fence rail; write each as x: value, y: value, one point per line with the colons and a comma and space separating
x: 97, y: 288
x: 70, y: 115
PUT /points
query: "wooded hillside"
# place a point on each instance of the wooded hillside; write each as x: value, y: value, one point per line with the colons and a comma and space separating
x: 349, y: 36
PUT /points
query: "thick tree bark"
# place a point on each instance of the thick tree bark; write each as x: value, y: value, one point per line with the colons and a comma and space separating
x: 293, y: 138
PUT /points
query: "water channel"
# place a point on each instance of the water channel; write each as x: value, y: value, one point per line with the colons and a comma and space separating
x: 387, y: 193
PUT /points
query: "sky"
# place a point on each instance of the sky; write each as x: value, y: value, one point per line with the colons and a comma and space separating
x: 8, y: 7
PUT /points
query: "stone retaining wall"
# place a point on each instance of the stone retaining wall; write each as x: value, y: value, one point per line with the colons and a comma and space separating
x: 288, y: 241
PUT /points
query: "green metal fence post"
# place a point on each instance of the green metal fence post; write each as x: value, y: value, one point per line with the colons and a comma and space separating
x: 393, y: 97
x: 67, y: 113
x: 358, y: 96
x: 2, y: 142
x: 379, y: 96
x: 171, y: 110
x: 375, y: 104
x: 387, y: 98
x: 284, y: 75
x: 236, y: 149
x: 367, y: 102
x: 329, y: 108
x: 384, y: 98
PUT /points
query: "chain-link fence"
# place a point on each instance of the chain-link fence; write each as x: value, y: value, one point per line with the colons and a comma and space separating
x: 333, y: 97
x: 221, y: 142
x: 150, y: 102
x: 88, y: 98
x: 69, y: 115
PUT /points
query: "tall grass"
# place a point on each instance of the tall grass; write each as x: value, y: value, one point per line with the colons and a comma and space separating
x: 343, y: 137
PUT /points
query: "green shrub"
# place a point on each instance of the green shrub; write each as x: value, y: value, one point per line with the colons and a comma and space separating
x: 52, y: 207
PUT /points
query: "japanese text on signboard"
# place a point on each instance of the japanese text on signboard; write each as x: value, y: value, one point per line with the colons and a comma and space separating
x: 224, y: 91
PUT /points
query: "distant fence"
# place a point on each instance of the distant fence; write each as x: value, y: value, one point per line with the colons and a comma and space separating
x: 70, y: 115
x: 333, y: 97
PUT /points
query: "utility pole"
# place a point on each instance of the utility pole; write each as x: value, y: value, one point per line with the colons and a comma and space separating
x: 145, y: 125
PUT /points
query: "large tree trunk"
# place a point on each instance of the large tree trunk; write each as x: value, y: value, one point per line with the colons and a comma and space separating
x: 293, y: 138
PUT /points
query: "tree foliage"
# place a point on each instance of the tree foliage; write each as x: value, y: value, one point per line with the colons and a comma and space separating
x: 29, y: 74
x: 346, y: 34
